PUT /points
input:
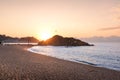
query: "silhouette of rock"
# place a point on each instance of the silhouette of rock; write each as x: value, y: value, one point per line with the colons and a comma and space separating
x: 4, y: 38
x: 63, y: 41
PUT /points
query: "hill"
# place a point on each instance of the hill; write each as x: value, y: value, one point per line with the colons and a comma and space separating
x: 4, y: 38
x: 58, y: 40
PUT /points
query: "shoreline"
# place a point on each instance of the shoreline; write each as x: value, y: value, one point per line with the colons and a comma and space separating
x: 18, y: 63
x: 35, y: 50
x: 29, y: 46
x: 87, y: 64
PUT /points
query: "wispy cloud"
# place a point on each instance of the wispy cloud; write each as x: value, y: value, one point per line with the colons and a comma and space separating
x: 109, y: 28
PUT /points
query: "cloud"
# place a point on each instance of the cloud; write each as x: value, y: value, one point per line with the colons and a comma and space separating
x: 110, y: 28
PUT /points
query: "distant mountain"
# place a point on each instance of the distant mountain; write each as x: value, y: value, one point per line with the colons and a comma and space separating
x: 28, y: 39
x: 102, y: 39
x: 4, y: 38
x: 58, y: 40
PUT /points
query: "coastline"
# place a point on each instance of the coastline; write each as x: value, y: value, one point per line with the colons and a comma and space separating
x: 18, y: 63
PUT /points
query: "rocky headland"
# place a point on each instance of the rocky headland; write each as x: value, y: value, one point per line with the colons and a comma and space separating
x: 58, y: 40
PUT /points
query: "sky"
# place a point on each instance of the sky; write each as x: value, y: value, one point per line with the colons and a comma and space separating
x: 72, y: 18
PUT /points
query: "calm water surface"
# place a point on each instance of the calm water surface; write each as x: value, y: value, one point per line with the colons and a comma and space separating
x: 101, y: 55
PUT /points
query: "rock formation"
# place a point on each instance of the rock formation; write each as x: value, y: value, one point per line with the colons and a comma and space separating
x: 63, y: 41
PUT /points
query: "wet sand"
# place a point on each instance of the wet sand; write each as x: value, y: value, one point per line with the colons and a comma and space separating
x: 16, y: 63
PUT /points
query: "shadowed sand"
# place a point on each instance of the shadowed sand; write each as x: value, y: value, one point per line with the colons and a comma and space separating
x: 16, y: 63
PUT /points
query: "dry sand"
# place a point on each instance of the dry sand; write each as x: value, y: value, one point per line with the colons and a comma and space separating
x: 16, y: 63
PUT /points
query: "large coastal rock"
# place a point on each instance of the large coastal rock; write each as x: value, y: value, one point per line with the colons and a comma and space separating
x: 63, y: 41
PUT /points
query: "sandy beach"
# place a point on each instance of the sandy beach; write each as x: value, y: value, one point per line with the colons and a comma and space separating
x: 16, y: 63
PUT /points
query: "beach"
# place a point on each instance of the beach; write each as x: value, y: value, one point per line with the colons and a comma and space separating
x: 16, y: 63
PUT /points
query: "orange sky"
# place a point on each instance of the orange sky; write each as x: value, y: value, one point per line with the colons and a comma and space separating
x: 76, y: 18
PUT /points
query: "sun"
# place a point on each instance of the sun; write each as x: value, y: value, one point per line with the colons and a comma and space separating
x: 44, y: 35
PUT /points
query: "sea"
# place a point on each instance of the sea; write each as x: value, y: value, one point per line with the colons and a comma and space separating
x: 102, y: 54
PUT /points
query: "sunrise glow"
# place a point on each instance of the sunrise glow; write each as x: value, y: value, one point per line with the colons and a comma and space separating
x: 74, y: 18
x: 45, y: 35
